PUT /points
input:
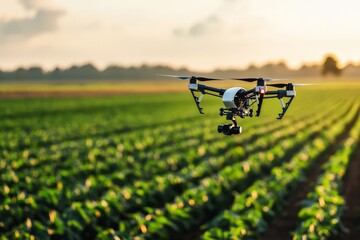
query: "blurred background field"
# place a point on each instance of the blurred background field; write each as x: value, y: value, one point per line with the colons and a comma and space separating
x: 79, y: 88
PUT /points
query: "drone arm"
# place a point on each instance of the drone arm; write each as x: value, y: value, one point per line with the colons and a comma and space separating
x: 217, y: 92
x: 210, y: 90
x: 275, y: 93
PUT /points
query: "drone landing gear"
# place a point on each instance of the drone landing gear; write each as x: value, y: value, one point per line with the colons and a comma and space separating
x: 229, y: 129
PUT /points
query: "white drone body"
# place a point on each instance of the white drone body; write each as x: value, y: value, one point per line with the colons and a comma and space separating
x: 229, y: 97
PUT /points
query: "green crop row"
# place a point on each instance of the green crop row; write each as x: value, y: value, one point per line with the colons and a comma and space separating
x: 140, y: 199
x: 53, y: 124
x: 235, y: 156
x: 214, y: 193
x: 33, y: 126
x: 72, y: 163
x: 56, y: 197
x: 105, y: 150
x: 320, y: 217
x: 140, y: 167
x: 260, y: 203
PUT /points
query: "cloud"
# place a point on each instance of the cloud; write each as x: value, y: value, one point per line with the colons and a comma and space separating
x: 31, y: 4
x: 45, y: 20
x: 213, y: 23
x: 208, y: 25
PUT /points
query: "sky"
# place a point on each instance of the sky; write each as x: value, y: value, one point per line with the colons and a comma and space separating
x: 201, y: 35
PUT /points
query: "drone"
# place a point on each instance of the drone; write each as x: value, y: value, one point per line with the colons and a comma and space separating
x: 238, y: 101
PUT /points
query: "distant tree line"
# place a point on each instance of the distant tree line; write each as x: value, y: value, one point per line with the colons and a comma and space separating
x: 146, y: 72
x: 85, y: 72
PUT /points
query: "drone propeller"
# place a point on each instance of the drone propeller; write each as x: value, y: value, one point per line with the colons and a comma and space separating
x: 175, y: 76
x: 256, y: 79
x: 203, y: 79
x: 190, y: 77
x: 282, y: 85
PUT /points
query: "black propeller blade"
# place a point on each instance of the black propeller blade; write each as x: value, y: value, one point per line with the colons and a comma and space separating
x: 175, y: 76
x: 254, y: 79
x: 282, y: 85
x: 207, y: 79
x: 190, y: 77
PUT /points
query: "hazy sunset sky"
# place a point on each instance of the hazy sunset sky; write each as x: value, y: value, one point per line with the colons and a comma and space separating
x: 199, y: 34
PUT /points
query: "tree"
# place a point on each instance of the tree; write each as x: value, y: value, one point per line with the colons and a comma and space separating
x: 330, y: 66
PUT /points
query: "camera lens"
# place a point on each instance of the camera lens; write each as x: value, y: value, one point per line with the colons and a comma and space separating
x: 236, y: 130
x: 227, y: 129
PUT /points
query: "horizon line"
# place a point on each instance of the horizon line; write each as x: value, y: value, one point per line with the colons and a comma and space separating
x: 177, y: 67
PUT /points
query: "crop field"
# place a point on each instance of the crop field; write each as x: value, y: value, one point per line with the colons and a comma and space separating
x: 149, y: 166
